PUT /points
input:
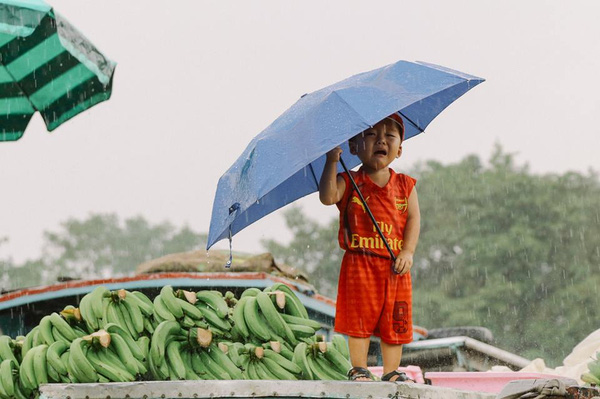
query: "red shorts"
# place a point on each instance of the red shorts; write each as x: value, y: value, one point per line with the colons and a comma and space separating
x: 372, y: 300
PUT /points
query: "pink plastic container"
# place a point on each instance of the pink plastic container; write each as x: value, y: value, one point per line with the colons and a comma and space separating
x: 413, y: 372
x: 480, y: 381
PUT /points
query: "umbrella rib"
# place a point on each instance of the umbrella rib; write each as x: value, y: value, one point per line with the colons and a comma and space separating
x: 312, y: 171
x: 411, y: 122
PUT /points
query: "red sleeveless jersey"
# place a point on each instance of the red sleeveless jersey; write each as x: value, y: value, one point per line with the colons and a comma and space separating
x: 389, y: 205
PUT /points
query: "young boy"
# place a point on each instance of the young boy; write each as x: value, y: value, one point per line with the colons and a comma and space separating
x: 372, y: 298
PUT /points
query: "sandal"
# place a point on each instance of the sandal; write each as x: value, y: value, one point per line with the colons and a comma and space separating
x: 359, y: 372
x: 400, y: 377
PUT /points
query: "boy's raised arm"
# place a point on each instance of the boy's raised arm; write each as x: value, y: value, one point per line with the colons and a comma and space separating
x: 331, y: 187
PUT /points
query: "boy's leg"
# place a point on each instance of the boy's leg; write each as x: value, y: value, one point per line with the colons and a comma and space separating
x: 359, y: 350
x: 391, y: 354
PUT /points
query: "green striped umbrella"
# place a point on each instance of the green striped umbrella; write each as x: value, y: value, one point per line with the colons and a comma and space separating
x: 46, y: 65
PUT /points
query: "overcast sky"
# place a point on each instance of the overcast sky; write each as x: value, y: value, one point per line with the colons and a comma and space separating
x: 196, y: 80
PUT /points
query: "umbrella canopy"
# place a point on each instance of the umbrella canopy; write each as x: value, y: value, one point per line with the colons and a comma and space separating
x: 46, y: 65
x: 285, y: 161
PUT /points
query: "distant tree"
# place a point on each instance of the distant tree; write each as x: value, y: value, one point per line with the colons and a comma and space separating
x: 101, y: 246
x: 314, y: 249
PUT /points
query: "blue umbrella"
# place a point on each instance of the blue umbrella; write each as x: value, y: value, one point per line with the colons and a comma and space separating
x: 285, y: 161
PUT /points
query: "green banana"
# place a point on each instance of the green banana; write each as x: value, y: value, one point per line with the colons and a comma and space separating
x: 62, y: 326
x: 190, y: 310
x: 161, y: 310
x: 200, y: 368
x: 288, y: 318
x: 238, y: 317
x: 37, y: 337
x: 53, y: 355
x: 144, y: 345
x: 135, y: 313
x: 19, y: 394
x: 301, y: 359
x: 187, y: 322
x: 301, y: 331
x: 210, y: 315
x: 175, y: 360
x: 85, y: 372
x: 27, y: 342
x: 156, y: 371
x: 113, y: 328
x: 215, y: 369
x: 293, y: 304
x: 273, y: 317
x: 59, y: 337
x: 215, y: 301
x: 6, y: 348
x: 338, y: 361
x: 46, y: 330
x: 40, y: 367
x: 53, y: 376
x: 87, y: 313
x: 124, y: 353
x: 251, y: 316
x: 263, y: 372
x: 244, y: 362
x: 187, y: 362
x: 148, y: 326
x: 282, y: 361
x: 145, y: 305
x: 168, y: 297
x: 324, y: 366
x: 318, y: 372
x: 97, y: 297
x: 7, y: 377
x: 339, y: 343
x: 124, y: 318
x: 159, y: 340
x: 111, y: 315
x: 251, y: 370
x: 250, y: 292
x: 277, y: 370
x: 26, y: 371
x: 105, y: 367
x: 225, y: 362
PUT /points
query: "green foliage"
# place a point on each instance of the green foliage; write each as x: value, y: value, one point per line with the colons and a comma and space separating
x: 99, y: 246
x: 500, y: 247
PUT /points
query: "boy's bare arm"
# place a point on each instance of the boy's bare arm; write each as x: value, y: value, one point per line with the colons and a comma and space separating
x: 331, y: 187
x: 404, y: 261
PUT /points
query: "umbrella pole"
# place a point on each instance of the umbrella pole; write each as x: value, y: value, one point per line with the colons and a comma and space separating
x: 362, y: 199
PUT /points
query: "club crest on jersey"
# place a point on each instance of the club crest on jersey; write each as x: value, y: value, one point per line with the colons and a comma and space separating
x: 356, y: 200
x: 401, y: 204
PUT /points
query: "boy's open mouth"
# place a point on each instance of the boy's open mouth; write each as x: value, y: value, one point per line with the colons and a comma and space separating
x: 381, y: 152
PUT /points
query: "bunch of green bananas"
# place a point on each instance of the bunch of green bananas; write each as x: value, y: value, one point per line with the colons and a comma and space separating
x: 179, y: 354
x: 9, y: 367
x: 264, y: 362
x: 123, y: 336
x: 131, y: 310
x: 592, y: 376
x: 323, y: 360
x: 274, y: 314
x: 204, y: 309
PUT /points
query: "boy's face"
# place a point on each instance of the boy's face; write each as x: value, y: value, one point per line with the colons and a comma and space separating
x: 378, y: 146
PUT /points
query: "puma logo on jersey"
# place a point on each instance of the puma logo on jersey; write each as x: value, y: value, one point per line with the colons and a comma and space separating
x: 356, y: 200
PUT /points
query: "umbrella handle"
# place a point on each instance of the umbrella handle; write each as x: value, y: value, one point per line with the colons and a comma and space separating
x: 362, y: 199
